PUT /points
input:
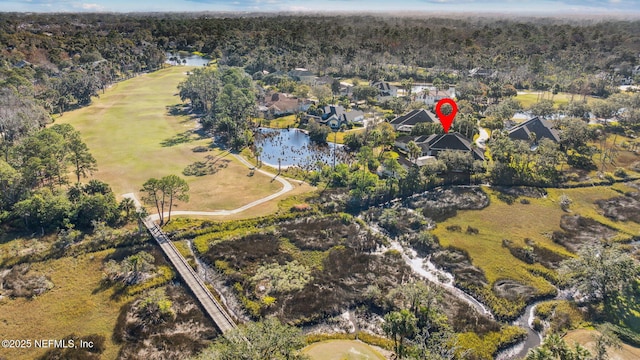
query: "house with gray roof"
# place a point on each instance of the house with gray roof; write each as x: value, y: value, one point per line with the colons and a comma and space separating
x: 385, y: 89
x: 302, y: 75
x: 406, y: 122
x: 534, y: 130
x: 335, y: 116
x: 433, y: 144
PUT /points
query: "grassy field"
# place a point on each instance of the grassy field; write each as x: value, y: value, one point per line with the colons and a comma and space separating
x: 339, y: 136
x: 76, y: 305
x: 586, y: 338
x: 342, y: 350
x: 527, y: 98
x: 516, y: 222
x: 500, y: 221
x: 133, y: 136
x: 281, y: 122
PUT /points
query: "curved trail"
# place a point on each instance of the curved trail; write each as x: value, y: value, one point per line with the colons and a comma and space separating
x: 285, y: 189
x: 482, y: 138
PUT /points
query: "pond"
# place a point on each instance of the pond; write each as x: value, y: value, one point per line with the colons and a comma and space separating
x: 191, y: 59
x: 292, y: 147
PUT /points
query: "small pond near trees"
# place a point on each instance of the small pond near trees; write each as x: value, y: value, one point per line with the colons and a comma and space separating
x: 292, y: 147
x: 184, y: 58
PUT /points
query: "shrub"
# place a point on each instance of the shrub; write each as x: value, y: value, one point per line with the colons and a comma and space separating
x: 300, y: 207
x: 199, y: 149
x: 375, y: 340
x: 472, y: 230
x: 268, y: 300
x: 609, y: 177
x: 537, y: 325
x: 425, y: 240
x: 565, y: 202
x: 283, y: 278
x: 454, y: 228
x: 621, y: 173
x: 393, y: 253
x: 525, y: 201
x: 573, y: 177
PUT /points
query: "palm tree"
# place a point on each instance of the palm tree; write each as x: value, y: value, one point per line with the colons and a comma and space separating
x: 581, y: 353
x: 128, y: 206
x: 539, y: 353
x: 414, y: 151
x: 556, y: 345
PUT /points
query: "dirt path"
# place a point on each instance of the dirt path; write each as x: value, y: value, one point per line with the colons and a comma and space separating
x: 285, y: 189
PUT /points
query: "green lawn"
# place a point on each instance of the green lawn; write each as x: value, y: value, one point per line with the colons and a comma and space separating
x: 527, y: 98
x: 133, y: 136
x: 281, y: 122
x: 339, y: 136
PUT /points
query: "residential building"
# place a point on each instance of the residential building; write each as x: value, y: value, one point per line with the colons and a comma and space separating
x: 303, y: 75
x: 431, y: 145
x: 386, y: 91
x: 481, y: 72
x: 406, y: 122
x: 335, y: 116
x: 431, y: 96
x: 533, y: 130
x: 280, y: 104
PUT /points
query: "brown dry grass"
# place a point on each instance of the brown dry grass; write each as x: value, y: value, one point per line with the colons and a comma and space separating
x: 341, y: 350
x: 585, y: 338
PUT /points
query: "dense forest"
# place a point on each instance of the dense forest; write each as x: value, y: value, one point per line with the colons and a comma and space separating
x: 525, y: 52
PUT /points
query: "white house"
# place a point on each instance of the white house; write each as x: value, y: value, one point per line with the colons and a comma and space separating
x: 303, y: 75
x: 431, y: 95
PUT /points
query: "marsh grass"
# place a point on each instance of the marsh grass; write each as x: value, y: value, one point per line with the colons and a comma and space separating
x: 77, y: 304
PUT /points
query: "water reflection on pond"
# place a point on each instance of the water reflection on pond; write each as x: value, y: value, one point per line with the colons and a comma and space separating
x: 186, y: 59
x: 292, y: 147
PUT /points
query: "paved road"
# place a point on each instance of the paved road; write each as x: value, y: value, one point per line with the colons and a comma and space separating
x: 285, y: 189
x: 213, y: 308
x: 482, y: 139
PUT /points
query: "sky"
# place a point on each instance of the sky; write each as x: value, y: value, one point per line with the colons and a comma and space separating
x: 593, y: 7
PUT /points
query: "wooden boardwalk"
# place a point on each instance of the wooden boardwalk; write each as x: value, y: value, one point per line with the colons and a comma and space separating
x: 213, y: 308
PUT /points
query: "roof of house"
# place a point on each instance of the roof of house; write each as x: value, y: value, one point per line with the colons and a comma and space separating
x: 441, y: 142
x: 453, y: 141
x: 22, y: 63
x: 382, y: 85
x: 282, y: 103
x: 300, y: 72
x: 540, y: 127
x: 384, y: 88
x: 478, y: 71
x: 341, y: 113
x: 414, y: 117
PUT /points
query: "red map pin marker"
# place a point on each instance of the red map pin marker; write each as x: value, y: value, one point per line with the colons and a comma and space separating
x: 446, y: 120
